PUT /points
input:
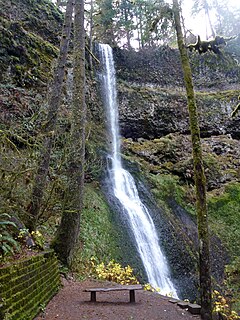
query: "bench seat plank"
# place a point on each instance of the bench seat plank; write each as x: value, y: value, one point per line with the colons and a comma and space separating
x: 116, y: 288
x: 130, y: 288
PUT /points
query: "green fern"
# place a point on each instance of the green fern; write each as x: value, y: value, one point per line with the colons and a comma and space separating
x: 7, y: 242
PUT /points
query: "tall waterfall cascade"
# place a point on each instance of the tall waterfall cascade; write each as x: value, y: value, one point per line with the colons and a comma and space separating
x: 125, y: 190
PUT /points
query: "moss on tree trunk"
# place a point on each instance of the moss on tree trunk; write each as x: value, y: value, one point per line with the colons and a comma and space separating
x: 200, y: 180
x: 68, y: 232
x: 49, y: 128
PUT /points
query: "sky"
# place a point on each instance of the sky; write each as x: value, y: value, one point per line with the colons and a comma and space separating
x: 199, y: 24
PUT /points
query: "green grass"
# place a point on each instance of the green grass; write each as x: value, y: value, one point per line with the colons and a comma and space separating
x: 223, y: 209
x: 166, y: 186
x: 224, y: 217
x: 224, y: 221
x: 97, y: 234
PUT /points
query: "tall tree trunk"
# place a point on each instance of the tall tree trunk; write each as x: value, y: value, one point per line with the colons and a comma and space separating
x: 126, y: 18
x: 210, y: 24
x: 91, y: 36
x: 49, y: 129
x: 68, y: 231
x: 200, y: 180
x: 141, y: 42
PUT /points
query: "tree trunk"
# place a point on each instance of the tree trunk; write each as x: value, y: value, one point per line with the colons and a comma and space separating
x: 91, y: 36
x: 209, y: 20
x: 200, y: 180
x: 49, y: 128
x: 68, y: 231
x: 139, y: 26
x: 126, y: 18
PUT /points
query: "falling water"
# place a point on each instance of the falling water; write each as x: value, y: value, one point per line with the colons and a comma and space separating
x: 125, y: 190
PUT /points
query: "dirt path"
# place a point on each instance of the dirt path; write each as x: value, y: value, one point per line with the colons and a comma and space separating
x: 71, y: 303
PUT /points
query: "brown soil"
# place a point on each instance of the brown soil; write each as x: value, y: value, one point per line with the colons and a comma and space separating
x: 72, y: 303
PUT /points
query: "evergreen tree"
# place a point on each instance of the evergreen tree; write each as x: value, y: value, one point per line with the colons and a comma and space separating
x: 124, y: 22
x: 104, y: 23
x: 228, y: 20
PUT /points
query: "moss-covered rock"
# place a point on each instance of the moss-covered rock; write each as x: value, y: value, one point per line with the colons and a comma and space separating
x: 25, y: 56
x: 172, y: 154
x: 41, y: 17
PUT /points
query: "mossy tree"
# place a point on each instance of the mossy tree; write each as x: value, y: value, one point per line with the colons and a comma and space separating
x: 200, y: 180
x: 68, y: 231
x: 50, y: 125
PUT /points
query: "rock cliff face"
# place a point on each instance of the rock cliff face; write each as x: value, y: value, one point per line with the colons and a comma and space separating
x: 172, y: 154
x: 29, y: 38
x: 30, y: 34
x: 161, y: 67
x: 152, y: 97
x: 155, y: 128
x: 153, y: 113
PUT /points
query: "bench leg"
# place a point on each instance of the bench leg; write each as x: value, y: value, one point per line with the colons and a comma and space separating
x: 132, y: 295
x: 93, y: 296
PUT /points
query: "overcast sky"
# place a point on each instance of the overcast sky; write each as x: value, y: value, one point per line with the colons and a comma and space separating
x: 199, y: 24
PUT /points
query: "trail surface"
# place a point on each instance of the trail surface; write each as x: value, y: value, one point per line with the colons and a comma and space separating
x: 72, y: 303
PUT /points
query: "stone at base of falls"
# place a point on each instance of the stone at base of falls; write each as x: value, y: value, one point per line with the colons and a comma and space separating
x: 194, y: 308
x: 183, y: 304
x: 173, y: 300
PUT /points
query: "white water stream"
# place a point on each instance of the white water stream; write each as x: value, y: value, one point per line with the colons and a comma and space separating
x: 125, y: 190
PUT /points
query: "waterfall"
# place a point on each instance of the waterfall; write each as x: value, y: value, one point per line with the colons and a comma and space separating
x: 125, y: 190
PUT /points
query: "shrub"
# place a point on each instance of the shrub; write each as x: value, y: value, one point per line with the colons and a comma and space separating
x: 149, y: 287
x: 222, y: 307
x: 113, y: 271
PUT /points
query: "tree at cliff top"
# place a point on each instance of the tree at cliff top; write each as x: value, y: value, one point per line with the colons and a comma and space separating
x: 158, y: 32
x: 68, y: 231
x: 228, y: 25
x: 204, y: 5
x: 50, y: 125
x: 103, y: 17
x: 223, y: 20
x: 227, y: 19
x: 200, y: 180
x: 128, y: 22
x: 133, y: 23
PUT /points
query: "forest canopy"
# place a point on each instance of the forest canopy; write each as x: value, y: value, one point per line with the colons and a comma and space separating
x: 142, y: 23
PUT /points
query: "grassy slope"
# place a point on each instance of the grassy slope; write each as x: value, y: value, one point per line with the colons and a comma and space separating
x: 224, y: 217
x: 97, y: 239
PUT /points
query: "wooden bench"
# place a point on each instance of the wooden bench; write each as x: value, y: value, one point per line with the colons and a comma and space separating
x: 130, y: 288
